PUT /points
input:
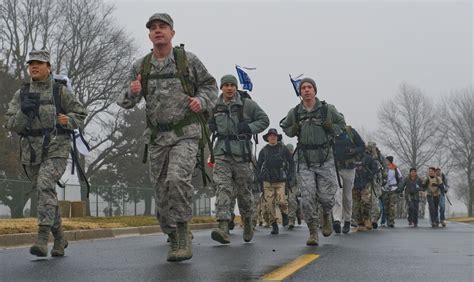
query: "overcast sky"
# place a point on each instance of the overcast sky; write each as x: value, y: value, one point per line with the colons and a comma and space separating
x: 359, y: 52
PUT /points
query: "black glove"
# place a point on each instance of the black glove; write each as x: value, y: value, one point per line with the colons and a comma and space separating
x: 30, y: 105
x: 243, y: 128
x: 212, y: 125
x: 327, y: 125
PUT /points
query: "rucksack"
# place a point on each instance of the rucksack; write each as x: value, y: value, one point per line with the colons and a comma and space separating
x: 244, y: 95
x: 58, y: 84
x: 182, y: 73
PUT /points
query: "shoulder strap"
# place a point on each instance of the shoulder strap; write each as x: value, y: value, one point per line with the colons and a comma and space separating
x: 182, y: 68
x: 240, y: 110
x: 24, y: 90
x: 57, y: 97
x: 324, y: 110
x: 145, y: 73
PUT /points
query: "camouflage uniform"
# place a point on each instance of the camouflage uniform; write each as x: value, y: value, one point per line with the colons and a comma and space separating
x: 390, y: 194
x: 362, y: 192
x: 232, y: 167
x: 45, y: 170
x: 422, y: 204
x: 316, y: 177
x: 380, y: 177
x: 173, y: 150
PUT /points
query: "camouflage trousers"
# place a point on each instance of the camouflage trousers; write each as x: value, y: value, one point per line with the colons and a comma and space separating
x: 390, y: 203
x: 274, y: 194
x: 343, y: 207
x: 422, y: 205
x: 44, y: 177
x: 171, y: 169
x: 318, y: 185
x: 362, y: 202
x: 229, y: 173
x: 257, y: 210
x: 293, y: 193
x: 375, y: 207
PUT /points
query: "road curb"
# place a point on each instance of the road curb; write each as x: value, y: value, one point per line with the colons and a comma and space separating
x: 17, y: 240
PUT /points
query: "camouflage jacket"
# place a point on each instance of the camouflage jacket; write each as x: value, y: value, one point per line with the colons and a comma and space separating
x: 167, y: 101
x: 310, y: 131
x: 60, y: 144
x: 227, y: 121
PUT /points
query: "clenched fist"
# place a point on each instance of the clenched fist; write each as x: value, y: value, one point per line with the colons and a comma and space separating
x: 136, y: 85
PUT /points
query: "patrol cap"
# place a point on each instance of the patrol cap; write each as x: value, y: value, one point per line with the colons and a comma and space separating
x: 309, y: 80
x: 290, y: 147
x: 228, y: 78
x: 39, y: 55
x: 160, y: 17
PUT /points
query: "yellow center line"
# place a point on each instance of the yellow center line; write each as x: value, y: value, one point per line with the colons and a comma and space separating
x: 288, y: 269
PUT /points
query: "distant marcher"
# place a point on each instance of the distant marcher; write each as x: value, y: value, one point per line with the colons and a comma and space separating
x: 433, y: 185
x: 390, y: 191
x: 349, y: 148
x: 442, y: 196
x: 275, y: 168
x: 411, y: 187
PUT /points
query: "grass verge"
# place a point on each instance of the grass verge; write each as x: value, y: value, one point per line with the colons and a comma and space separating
x: 29, y: 225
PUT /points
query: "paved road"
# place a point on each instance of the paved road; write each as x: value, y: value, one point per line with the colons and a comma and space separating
x: 400, y: 254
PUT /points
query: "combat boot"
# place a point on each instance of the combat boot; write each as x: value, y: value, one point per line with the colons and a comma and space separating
x: 221, y: 234
x: 291, y: 223
x: 443, y: 223
x: 173, y: 247
x: 347, y: 227
x: 374, y: 225
x: 337, y: 227
x: 184, y: 242
x: 368, y: 224
x: 327, y: 226
x: 275, y: 230
x: 59, y: 242
x: 248, y: 229
x: 284, y: 219
x: 40, y: 248
x: 313, y: 239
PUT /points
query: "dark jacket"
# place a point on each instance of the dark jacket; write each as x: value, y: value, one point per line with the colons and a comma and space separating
x: 365, y: 172
x: 412, y: 188
x: 348, y: 147
x: 275, y: 164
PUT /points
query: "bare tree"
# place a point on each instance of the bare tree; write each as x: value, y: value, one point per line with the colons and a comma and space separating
x: 408, y: 127
x: 24, y: 25
x: 458, y: 123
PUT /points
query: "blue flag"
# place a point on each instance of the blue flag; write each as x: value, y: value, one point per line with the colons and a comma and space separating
x: 296, y: 84
x: 244, y: 77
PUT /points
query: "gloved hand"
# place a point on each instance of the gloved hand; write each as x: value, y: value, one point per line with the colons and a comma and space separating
x: 212, y: 125
x: 243, y: 128
x: 327, y: 125
x: 30, y: 105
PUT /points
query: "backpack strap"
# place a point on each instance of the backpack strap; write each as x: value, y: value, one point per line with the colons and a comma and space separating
x: 145, y: 69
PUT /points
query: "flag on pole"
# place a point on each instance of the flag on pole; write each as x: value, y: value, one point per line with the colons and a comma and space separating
x: 244, y: 78
x: 296, y: 84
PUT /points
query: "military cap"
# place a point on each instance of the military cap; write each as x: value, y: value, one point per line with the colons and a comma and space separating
x: 38, y: 55
x: 228, y: 78
x: 309, y: 80
x: 160, y: 17
x: 272, y: 131
x: 290, y: 147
